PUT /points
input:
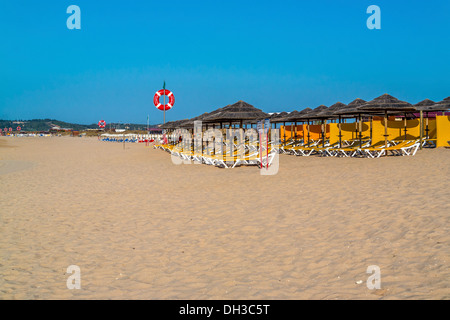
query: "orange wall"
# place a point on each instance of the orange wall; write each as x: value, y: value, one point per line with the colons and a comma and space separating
x: 315, y: 132
x: 443, y: 131
x: 395, y: 130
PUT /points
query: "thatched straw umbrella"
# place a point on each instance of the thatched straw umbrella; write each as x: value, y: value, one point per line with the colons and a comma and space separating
x: 311, y: 115
x: 276, y: 116
x: 443, y: 106
x: 166, y: 125
x: 427, y: 106
x: 352, y: 111
x: 204, y: 115
x: 169, y: 126
x: 293, y: 117
x: 190, y: 123
x: 439, y: 107
x: 325, y: 114
x: 286, y: 117
x: 356, y: 103
x: 176, y: 125
x: 298, y: 117
x: 387, y: 103
x: 279, y: 118
x: 333, y: 108
x: 332, y: 113
x: 238, y: 112
x: 445, y: 103
x: 424, y: 106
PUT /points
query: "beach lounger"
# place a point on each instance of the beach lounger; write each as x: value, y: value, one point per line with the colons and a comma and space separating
x: 255, y: 159
x: 302, y: 151
x: 307, y: 151
x: 284, y: 148
x: 352, y: 150
x: 405, y: 148
x: 411, y: 149
x: 429, y: 143
x: 344, y: 152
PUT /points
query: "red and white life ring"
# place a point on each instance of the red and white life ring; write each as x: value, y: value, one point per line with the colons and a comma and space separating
x: 102, y: 124
x: 19, y: 128
x: 167, y: 106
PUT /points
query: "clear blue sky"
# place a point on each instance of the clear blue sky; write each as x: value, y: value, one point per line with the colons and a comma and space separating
x: 276, y: 55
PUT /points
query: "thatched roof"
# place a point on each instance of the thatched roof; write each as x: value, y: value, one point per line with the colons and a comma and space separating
x: 321, y: 112
x: 305, y: 111
x: 427, y: 105
x: 312, y: 113
x: 173, y: 124
x: 350, y: 109
x: 424, y: 103
x: 351, y: 112
x: 356, y: 103
x: 444, y: 103
x: 190, y: 123
x: 446, y: 100
x: 275, y: 116
x: 330, y: 112
x: 319, y: 108
x: 285, y: 117
x: 166, y: 125
x: 292, y: 117
x: 337, y: 106
x: 437, y: 107
x: 240, y: 110
x: 387, y: 102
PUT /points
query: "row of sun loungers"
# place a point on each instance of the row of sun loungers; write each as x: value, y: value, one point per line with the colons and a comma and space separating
x: 250, y: 156
x: 109, y: 139
x: 353, y: 149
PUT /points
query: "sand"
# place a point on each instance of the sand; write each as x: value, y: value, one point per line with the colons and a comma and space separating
x: 140, y: 227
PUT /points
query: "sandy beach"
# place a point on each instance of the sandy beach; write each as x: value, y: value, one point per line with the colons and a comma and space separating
x: 140, y: 227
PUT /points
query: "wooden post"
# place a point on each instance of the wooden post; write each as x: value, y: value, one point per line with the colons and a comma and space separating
x: 308, y: 133
x: 406, y: 125
x: 340, y: 132
x: 324, y: 129
x: 421, y: 129
x: 371, y: 129
x: 295, y: 123
x: 292, y: 131
x: 360, y: 131
x: 385, y: 128
x: 303, y: 132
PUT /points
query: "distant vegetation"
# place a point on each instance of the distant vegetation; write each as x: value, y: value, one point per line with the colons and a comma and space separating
x: 47, y: 124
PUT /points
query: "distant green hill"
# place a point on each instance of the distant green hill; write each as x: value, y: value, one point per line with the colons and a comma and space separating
x: 47, y: 124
